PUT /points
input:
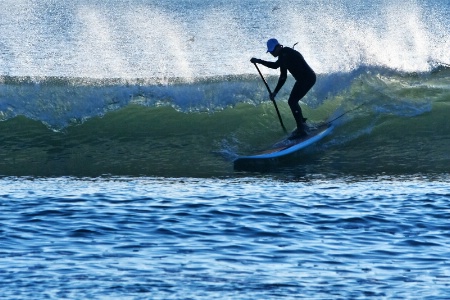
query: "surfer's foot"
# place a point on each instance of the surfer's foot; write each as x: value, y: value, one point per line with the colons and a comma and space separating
x: 297, y: 134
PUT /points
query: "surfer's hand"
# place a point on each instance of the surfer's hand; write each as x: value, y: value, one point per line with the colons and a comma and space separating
x: 255, y: 60
x: 272, y: 96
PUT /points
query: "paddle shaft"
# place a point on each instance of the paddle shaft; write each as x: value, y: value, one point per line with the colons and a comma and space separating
x: 270, y: 93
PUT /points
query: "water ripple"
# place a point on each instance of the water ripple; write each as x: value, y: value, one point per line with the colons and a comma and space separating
x: 92, y: 240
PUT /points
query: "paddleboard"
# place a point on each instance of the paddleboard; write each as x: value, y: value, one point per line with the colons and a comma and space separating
x: 282, y: 149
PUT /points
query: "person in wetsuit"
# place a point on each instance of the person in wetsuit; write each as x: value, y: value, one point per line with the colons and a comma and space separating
x: 292, y: 61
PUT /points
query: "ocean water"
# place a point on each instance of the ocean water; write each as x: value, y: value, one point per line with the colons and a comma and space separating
x: 234, y: 238
x: 120, y: 122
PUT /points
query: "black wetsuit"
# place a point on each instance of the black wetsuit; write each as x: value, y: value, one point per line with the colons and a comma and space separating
x: 292, y: 61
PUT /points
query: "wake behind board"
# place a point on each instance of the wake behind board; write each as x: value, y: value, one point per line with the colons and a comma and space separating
x: 281, y: 149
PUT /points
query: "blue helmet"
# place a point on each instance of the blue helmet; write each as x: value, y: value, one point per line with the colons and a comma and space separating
x: 272, y: 44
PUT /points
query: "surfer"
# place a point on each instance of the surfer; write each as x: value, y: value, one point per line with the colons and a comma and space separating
x: 292, y: 61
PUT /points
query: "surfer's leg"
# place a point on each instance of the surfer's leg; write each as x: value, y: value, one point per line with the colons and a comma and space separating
x: 300, y: 89
x: 298, y: 92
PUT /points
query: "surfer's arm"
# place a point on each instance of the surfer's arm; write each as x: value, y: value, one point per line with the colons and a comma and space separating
x: 269, y: 64
x: 281, y: 81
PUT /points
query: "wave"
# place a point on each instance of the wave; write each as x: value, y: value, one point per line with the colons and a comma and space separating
x: 59, y: 102
x: 396, y: 122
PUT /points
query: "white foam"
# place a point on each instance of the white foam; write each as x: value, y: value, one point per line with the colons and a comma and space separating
x: 154, y: 40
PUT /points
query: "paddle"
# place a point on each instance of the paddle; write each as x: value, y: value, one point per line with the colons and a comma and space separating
x: 273, y: 100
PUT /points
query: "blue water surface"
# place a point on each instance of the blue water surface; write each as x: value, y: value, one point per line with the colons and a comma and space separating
x: 236, y: 238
